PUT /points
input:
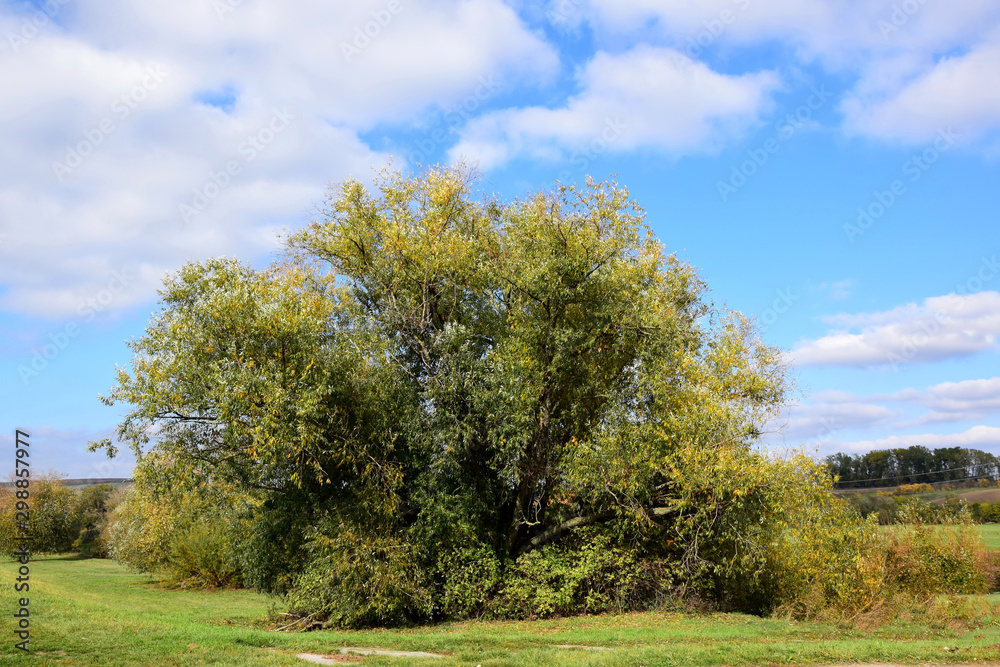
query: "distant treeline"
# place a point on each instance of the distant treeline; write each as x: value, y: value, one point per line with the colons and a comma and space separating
x: 913, y: 465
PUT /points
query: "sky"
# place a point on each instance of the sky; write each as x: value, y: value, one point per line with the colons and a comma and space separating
x: 829, y: 166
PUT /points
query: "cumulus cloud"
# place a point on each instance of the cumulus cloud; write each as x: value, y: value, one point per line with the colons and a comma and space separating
x: 648, y: 96
x: 940, y: 328
x: 65, y: 451
x: 977, y: 437
x: 952, y: 401
x: 961, y: 90
x: 825, y: 413
x: 119, y: 114
x: 919, y: 66
x: 828, y: 412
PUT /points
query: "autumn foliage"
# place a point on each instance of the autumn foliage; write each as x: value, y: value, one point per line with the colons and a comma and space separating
x: 442, y: 405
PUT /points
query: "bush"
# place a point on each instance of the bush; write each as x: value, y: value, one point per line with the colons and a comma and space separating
x: 836, y: 568
x: 918, y: 512
x: 985, y: 512
x: 468, y: 579
x: 53, y: 522
x: 202, y: 553
x: 178, y: 527
x: 883, y: 507
x: 95, y: 505
x: 829, y: 562
x: 906, y: 489
x: 360, y: 579
x: 926, y: 560
x: 586, y: 575
x: 140, y: 531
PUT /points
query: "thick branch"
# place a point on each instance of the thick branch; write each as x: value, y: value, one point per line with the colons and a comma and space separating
x: 556, y: 532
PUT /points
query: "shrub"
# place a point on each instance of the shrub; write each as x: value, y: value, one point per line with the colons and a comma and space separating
x: 990, y: 513
x: 906, y: 489
x: 203, y: 553
x: 918, y: 512
x: 926, y: 559
x: 53, y: 513
x: 985, y: 512
x: 95, y: 505
x: 176, y: 525
x: 586, y: 575
x: 883, y: 507
x: 140, y: 530
x: 469, y: 578
x: 358, y: 579
x: 830, y: 563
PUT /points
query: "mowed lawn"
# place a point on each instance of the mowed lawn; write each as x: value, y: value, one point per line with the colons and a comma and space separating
x: 990, y: 533
x: 93, y: 612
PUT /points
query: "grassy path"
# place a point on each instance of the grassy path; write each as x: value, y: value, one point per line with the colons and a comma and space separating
x: 95, y: 613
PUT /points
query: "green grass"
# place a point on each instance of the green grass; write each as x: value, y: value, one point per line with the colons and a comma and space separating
x: 990, y: 532
x: 927, y: 496
x: 92, y: 612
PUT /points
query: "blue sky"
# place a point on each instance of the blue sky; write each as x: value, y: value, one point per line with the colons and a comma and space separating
x: 830, y: 166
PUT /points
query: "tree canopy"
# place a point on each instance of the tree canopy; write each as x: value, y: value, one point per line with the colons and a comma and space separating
x: 911, y: 465
x: 429, y: 375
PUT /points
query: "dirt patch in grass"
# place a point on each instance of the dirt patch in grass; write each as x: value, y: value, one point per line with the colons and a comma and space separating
x: 980, y: 496
x: 333, y: 659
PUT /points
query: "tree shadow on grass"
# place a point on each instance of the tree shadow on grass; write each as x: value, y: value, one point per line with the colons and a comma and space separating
x: 62, y: 556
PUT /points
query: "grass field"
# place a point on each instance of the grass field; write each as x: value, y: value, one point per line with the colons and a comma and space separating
x: 92, y: 612
x: 990, y: 532
x: 971, y: 495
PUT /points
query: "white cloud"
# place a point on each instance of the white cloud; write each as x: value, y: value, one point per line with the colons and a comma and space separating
x: 977, y: 437
x: 119, y: 208
x: 920, y: 66
x: 941, y: 328
x: 648, y: 96
x: 829, y: 412
x: 65, y: 451
x: 952, y: 401
x: 962, y: 90
x: 838, y: 290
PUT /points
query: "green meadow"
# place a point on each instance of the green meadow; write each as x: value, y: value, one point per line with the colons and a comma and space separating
x: 94, y: 612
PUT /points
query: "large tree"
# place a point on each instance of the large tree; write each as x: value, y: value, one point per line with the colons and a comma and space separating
x: 432, y: 369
